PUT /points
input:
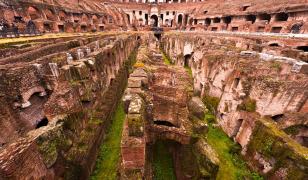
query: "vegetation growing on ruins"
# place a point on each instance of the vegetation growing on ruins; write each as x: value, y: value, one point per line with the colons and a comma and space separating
x: 273, y: 143
x: 211, y: 103
x: 166, y: 58
x: 231, y: 166
x: 109, y: 154
x: 248, y: 105
x: 162, y: 162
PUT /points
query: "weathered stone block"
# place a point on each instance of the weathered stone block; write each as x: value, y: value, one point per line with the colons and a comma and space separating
x: 135, y: 124
x: 197, y: 108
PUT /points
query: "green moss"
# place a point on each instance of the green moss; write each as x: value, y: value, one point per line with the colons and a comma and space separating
x: 248, y: 105
x: 294, y: 130
x: 211, y: 103
x: 189, y: 71
x: 162, y: 162
x: 135, y: 125
x: 231, y: 164
x: 273, y: 143
x: 166, y: 58
x: 109, y: 154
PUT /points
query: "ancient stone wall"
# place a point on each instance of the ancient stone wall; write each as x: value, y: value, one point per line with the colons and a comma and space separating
x: 57, y: 107
x: 242, y: 87
x: 58, y: 16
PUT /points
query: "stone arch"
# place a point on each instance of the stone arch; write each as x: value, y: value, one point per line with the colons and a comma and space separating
x: 180, y: 19
x: 281, y: 17
x: 34, y: 13
x: 155, y: 20
x: 265, y: 17
x: 38, y: 89
x: 207, y: 21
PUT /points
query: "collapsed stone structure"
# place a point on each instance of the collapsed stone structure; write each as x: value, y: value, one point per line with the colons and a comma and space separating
x: 58, y: 95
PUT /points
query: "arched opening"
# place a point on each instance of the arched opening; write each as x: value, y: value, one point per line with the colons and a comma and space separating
x: 164, y: 123
x: 47, y: 27
x: 281, y: 17
x: 216, y: 20
x: 83, y: 28
x: 180, y: 19
x: 277, y: 117
x: 227, y: 19
x: 186, y: 60
x: 302, y: 48
x: 41, y: 123
x: 207, y: 21
x: 128, y: 18
x: 154, y: 19
x: 276, y: 29
x: 265, y: 17
x: 236, y: 82
x: 33, y: 13
x: 61, y: 28
x: 251, y: 18
x: 273, y: 45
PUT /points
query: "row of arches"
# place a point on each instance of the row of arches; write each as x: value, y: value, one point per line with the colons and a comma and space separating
x: 52, y: 19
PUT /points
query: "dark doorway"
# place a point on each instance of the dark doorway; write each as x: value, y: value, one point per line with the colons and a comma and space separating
x: 207, y: 21
x: 251, y: 18
x: 155, y: 19
x: 276, y: 29
x: 61, y: 28
x: 277, y: 117
x: 227, y: 19
x: 180, y: 19
x: 266, y: 17
x: 146, y: 16
x: 164, y: 123
x: 128, y: 18
x: 302, y: 48
x: 282, y: 17
x: 186, y: 60
x: 42, y: 123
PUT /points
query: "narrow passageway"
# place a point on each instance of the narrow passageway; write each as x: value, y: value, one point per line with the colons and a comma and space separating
x: 170, y: 92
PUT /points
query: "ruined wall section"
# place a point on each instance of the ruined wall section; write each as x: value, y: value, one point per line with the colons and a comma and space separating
x: 245, y: 88
x: 59, y: 16
x: 72, y: 99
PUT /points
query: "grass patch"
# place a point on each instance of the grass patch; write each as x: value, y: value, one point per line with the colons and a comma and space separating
x: 109, y: 154
x: 189, y: 71
x: 248, y: 105
x: 162, y: 162
x: 231, y: 166
x: 166, y: 59
x: 211, y: 103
